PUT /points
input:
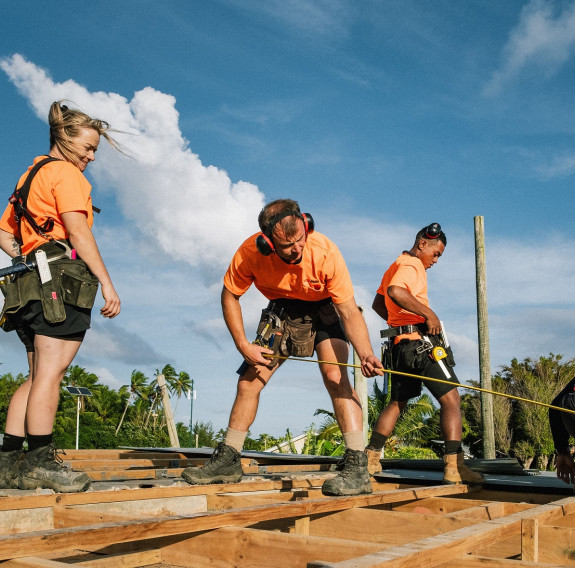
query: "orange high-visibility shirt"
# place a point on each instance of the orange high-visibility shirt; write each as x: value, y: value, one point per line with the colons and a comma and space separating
x: 58, y: 187
x: 322, y: 272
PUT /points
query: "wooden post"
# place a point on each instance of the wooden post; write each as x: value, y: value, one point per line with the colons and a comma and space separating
x: 174, y: 441
x: 360, y: 385
x: 483, y: 337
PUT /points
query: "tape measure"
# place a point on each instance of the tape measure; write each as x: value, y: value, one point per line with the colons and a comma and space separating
x: 438, y: 353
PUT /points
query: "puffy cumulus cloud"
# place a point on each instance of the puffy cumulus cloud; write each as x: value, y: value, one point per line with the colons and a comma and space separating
x: 163, y: 187
x: 544, y: 36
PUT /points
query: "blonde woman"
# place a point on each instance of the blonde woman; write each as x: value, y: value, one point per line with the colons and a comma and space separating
x: 50, y: 306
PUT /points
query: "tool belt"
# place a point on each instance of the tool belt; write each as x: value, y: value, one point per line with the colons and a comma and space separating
x: 71, y: 283
x: 293, y: 327
x: 403, y: 329
x: 415, y: 353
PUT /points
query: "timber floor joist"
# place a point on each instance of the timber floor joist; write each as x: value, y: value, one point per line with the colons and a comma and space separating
x: 274, y: 519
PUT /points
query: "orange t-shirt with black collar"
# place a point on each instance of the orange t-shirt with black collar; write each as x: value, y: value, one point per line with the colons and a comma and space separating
x: 58, y: 187
x: 322, y: 272
x: 407, y: 272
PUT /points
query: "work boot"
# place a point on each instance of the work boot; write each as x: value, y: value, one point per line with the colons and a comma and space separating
x: 9, y: 469
x: 44, y: 468
x: 456, y: 472
x: 373, y: 461
x: 353, y: 478
x: 225, y: 466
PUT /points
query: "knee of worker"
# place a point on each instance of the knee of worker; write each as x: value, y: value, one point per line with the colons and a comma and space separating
x: 450, y: 399
x: 337, y: 383
x: 250, y: 387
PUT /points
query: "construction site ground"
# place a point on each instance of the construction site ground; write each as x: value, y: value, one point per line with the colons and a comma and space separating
x: 139, y: 513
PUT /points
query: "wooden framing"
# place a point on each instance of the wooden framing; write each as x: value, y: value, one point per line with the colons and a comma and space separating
x: 279, y: 519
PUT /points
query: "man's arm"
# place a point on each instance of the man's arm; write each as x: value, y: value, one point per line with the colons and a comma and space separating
x: 356, y: 331
x: 406, y: 300
x: 379, y: 306
x: 232, y: 312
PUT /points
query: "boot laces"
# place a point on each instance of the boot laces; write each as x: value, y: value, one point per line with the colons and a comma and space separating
x: 347, y: 464
x: 54, y: 459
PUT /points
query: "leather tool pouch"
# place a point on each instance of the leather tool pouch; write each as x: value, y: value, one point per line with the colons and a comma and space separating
x: 298, y: 337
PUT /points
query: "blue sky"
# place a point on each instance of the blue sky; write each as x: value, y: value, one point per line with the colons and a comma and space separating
x: 378, y: 117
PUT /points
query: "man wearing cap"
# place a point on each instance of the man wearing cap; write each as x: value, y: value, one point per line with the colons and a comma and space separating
x: 305, y: 278
x: 415, y: 330
x: 562, y: 427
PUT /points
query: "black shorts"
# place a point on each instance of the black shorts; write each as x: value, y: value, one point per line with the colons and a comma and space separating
x: 327, y: 322
x: 404, y: 388
x: 30, y: 321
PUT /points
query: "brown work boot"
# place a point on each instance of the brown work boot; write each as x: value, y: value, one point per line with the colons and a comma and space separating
x: 353, y: 477
x: 9, y: 469
x: 225, y: 466
x: 44, y: 468
x: 456, y: 472
x: 373, y: 460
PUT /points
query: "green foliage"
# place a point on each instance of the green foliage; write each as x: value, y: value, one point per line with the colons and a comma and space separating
x: 131, y: 416
x: 521, y: 428
x: 410, y: 453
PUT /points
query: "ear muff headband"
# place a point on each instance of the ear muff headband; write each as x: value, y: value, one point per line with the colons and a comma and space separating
x: 264, y: 242
x: 433, y: 231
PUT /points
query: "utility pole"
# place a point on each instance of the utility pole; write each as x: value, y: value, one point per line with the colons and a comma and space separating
x: 483, y: 337
x: 360, y: 385
x: 174, y: 441
x: 192, y: 395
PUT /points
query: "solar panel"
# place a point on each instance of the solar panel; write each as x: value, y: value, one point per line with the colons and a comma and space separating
x: 79, y: 391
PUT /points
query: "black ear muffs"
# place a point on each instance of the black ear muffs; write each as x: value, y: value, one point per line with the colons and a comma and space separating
x: 264, y: 244
x: 264, y: 241
x: 433, y: 231
x: 308, y: 222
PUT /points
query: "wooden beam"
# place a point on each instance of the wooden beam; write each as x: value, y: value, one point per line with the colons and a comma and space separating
x: 14, y: 546
x: 244, y: 547
x: 449, y: 546
x: 472, y: 561
x: 530, y: 540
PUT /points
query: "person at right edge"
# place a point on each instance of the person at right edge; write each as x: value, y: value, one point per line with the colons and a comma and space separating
x: 415, y: 329
x: 562, y: 426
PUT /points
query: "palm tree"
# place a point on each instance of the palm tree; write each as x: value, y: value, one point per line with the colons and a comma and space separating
x: 180, y: 384
x: 137, y: 383
x: 105, y: 402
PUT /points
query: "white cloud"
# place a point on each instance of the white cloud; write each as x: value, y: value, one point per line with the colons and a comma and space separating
x: 543, y: 37
x: 559, y: 167
x: 170, y: 195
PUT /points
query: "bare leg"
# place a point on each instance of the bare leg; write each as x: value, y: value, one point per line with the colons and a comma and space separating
x: 345, y: 401
x: 245, y: 406
x: 51, y: 360
x: 450, y: 415
x: 16, y: 416
x: 388, y: 418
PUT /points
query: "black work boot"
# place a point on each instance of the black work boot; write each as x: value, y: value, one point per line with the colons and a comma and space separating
x: 225, y: 466
x: 9, y: 469
x: 44, y: 468
x: 353, y: 478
